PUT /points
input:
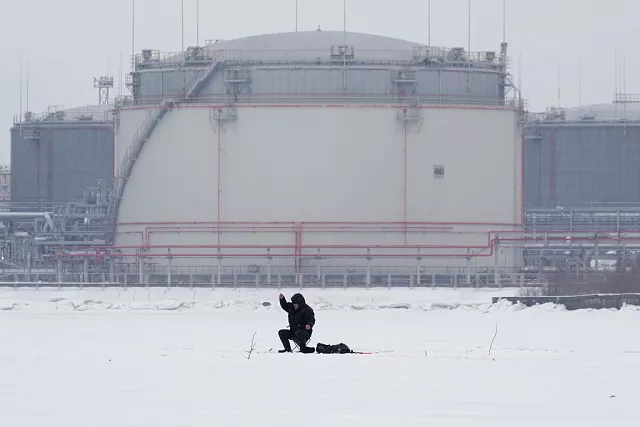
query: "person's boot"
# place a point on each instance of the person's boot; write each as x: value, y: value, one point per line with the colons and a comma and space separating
x: 307, y: 350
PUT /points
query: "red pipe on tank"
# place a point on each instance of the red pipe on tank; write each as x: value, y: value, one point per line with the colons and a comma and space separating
x: 292, y: 224
x: 218, y: 195
x: 552, y: 174
x: 522, y: 186
x: 405, y: 181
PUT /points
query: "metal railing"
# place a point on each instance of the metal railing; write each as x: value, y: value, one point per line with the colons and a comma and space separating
x: 57, y: 114
x: 339, y: 99
x: 277, y: 278
x: 213, y: 52
x: 618, y: 113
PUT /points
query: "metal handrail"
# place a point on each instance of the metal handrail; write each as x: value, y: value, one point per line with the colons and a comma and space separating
x: 412, y: 99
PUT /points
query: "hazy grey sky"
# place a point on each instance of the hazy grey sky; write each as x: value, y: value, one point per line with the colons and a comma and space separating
x: 68, y: 42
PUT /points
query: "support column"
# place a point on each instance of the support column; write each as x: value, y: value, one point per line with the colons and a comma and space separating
x: 140, y: 267
x: 59, y: 271
x: 269, y: 267
x: 29, y: 265
x: 496, y: 261
x: 468, y: 267
x: 368, y: 268
x: 596, y: 250
x: 169, y: 265
x: 112, y: 271
x: 85, y: 270
x: 219, y: 271
x: 318, y: 268
x: 419, y: 270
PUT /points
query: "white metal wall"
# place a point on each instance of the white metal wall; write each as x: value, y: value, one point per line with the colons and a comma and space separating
x: 347, y: 165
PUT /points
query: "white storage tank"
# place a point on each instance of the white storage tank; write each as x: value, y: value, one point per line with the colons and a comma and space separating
x: 295, y: 151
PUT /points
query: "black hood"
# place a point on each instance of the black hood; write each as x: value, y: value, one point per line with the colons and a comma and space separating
x: 298, y: 299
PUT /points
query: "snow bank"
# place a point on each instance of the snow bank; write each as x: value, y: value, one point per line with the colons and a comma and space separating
x: 180, y: 299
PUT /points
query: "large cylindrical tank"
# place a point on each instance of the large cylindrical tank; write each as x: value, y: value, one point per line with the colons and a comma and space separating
x: 288, y: 157
x: 583, y: 157
x: 57, y: 154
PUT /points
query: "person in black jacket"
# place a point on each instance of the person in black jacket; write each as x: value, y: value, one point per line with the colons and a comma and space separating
x: 301, y: 321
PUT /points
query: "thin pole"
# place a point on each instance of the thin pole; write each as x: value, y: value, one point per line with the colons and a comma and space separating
x: 120, y: 78
x: 559, y: 98
x: 197, y: 22
x: 182, y: 25
x: 518, y: 94
x: 296, y: 16
x: 133, y: 35
x: 504, y: 21
x: 469, y: 31
x: 580, y: 81
x: 27, y: 86
x: 615, y: 70
x: 344, y: 38
x: 624, y: 72
x: 429, y: 25
x: 184, y: 89
x: 21, y: 93
x: 469, y: 51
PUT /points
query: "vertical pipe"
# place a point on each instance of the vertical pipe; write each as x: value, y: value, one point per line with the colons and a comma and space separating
x: 296, y: 16
x: 552, y: 175
x: 219, y: 175
x: 522, y: 183
x: 405, y: 184
x: 85, y: 270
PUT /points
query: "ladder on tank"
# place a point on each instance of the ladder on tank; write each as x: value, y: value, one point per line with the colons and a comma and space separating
x: 140, y: 138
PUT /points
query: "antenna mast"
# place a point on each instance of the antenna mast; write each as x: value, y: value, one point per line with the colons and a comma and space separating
x: 429, y: 25
x: 103, y: 84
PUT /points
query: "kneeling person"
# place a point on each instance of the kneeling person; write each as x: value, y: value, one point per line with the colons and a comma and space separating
x: 301, y: 321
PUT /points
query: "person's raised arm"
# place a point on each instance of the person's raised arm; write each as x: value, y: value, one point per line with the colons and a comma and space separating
x: 284, y: 304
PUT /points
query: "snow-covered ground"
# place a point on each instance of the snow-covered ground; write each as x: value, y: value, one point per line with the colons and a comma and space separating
x: 176, y: 358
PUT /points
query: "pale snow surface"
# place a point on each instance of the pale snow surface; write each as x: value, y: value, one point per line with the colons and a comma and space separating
x: 176, y: 358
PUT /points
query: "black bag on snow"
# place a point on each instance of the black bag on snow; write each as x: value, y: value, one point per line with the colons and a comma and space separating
x: 333, y: 349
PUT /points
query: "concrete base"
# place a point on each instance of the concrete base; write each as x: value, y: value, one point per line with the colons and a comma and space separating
x: 579, y: 302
